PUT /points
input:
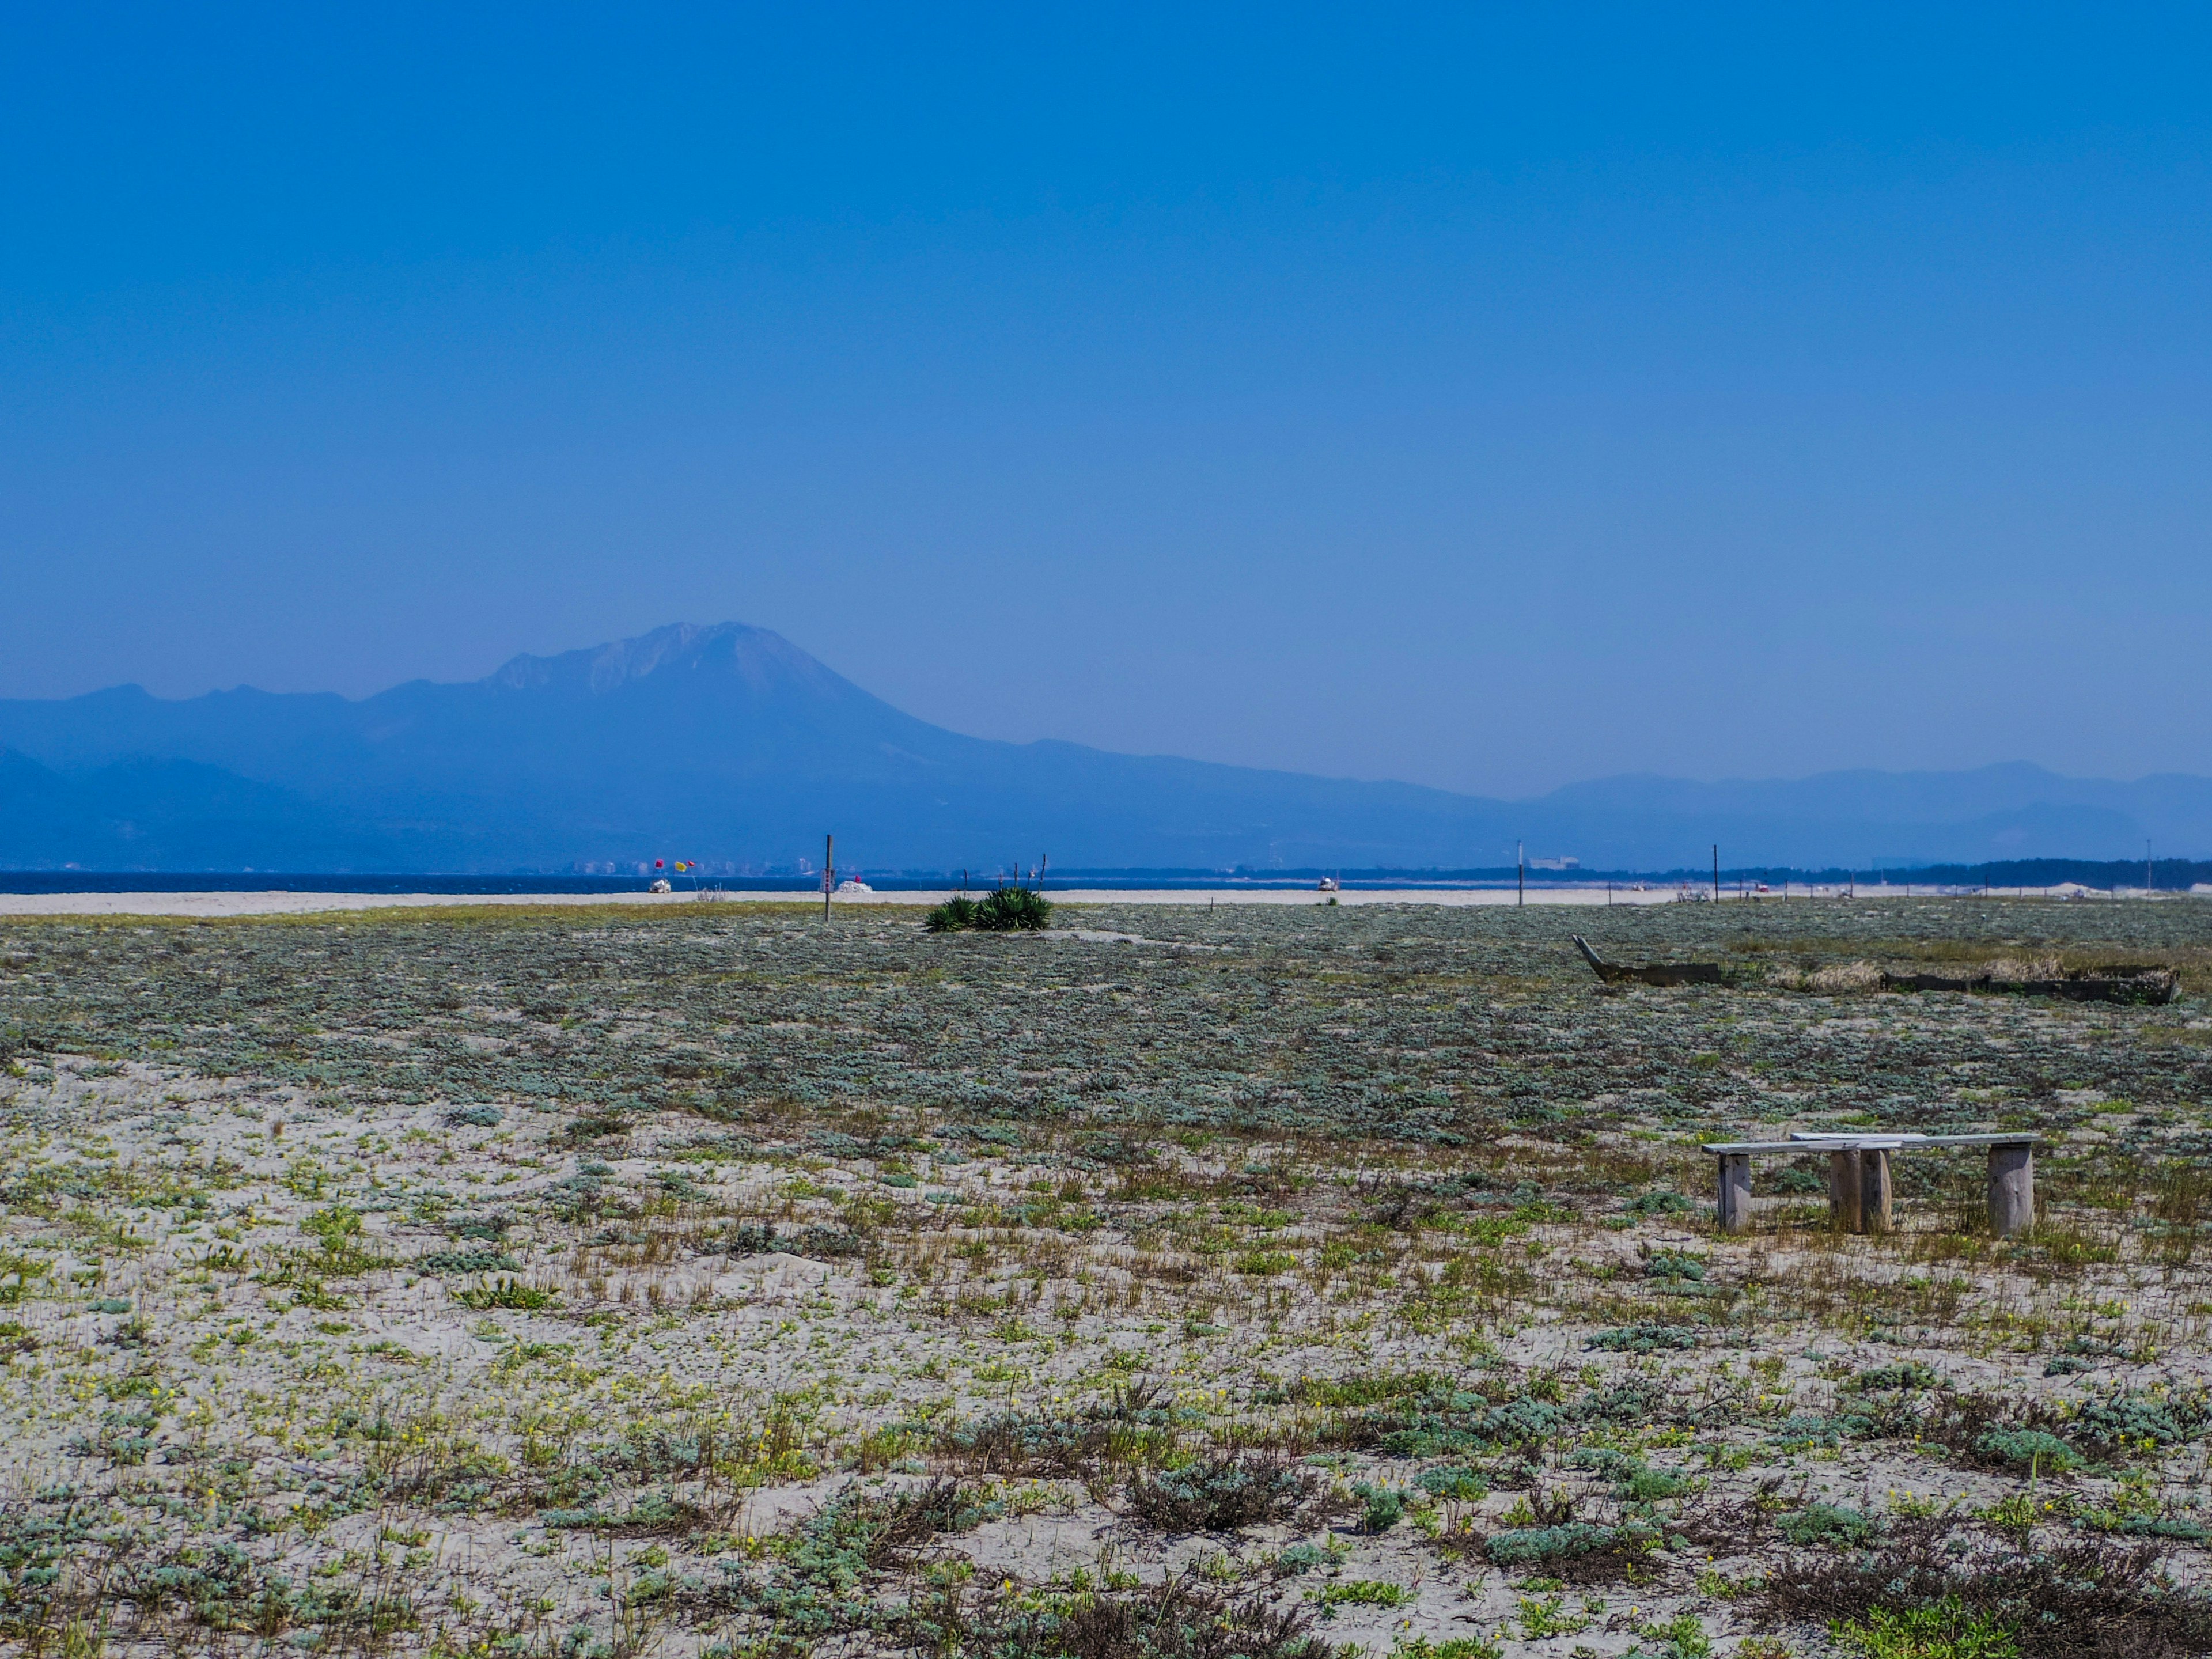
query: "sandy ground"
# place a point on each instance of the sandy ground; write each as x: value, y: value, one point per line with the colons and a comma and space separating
x: 540, y: 1285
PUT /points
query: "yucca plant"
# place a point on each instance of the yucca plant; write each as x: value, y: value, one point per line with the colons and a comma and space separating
x: 957, y: 914
x: 1012, y: 910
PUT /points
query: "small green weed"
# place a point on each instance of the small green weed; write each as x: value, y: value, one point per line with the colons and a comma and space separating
x: 1947, y: 1630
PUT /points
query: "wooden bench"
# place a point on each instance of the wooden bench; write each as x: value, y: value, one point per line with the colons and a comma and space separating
x: 1861, y: 1191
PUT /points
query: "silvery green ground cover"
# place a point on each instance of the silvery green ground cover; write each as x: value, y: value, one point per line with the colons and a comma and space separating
x: 1280, y: 1278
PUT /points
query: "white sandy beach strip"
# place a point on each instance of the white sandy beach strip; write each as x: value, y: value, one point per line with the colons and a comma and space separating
x: 213, y: 905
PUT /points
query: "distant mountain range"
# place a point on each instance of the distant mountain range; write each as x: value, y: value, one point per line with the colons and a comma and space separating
x: 730, y: 744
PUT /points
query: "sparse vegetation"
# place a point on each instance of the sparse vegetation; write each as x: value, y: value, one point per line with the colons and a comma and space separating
x: 1252, y: 1282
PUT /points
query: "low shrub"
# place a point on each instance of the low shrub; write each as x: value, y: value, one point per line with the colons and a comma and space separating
x: 1384, y: 1507
x: 1012, y: 910
x: 1526, y: 1546
x: 1452, y: 1647
x: 1801, y: 1432
x: 1632, y: 1477
x: 956, y: 915
x: 506, y: 1293
x: 1183, y: 1618
x: 1221, y: 1494
x: 2135, y: 1422
x: 1908, y: 1374
x: 2030, y: 1448
x: 1016, y: 1443
x: 815, y: 1581
x: 1452, y: 1481
x: 1944, y: 1630
x: 1008, y: 910
x: 1645, y: 1339
x: 1833, y: 1524
x: 465, y: 1261
x: 2083, y: 1597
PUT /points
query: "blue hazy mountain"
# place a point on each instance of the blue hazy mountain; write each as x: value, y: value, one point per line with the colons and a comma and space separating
x: 730, y: 744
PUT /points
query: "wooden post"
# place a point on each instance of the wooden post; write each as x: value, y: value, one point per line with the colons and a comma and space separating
x: 1877, y: 1191
x: 828, y: 871
x: 1736, y: 1192
x: 1846, y: 1213
x: 2012, y: 1189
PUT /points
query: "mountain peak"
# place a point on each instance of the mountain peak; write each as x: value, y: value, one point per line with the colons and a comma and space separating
x: 755, y: 654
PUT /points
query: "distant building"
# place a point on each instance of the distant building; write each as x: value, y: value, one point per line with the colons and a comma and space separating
x: 1555, y: 864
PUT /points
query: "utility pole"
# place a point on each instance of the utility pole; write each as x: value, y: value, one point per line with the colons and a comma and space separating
x: 2149, y: 884
x: 1521, y: 872
x: 828, y: 871
x: 1716, y: 872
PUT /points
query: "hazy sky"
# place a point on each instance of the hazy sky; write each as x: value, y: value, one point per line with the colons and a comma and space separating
x: 1489, y: 398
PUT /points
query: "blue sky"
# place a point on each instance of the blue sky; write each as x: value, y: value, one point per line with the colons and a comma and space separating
x: 1487, y: 398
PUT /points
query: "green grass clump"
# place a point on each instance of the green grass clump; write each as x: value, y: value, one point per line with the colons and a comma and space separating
x: 1833, y: 1524
x: 1454, y: 1481
x: 2024, y: 1448
x: 1365, y: 1593
x: 465, y: 1261
x: 1632, y: 1478
x: 1682, y: 1637
x: 1644, y: 1339
x: 1522, y: 1547
x: 1800, y: 1433
x: 506, y: 1293
x: 1946, y: 1630
x: 1385, y: 1506
x: 1455, y: 1647
x: 2139, y: 1422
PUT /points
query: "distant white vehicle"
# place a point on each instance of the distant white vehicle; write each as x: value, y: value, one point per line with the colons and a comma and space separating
x: 849, y: 885
x: 660, y: 885
x: 1327, y: 885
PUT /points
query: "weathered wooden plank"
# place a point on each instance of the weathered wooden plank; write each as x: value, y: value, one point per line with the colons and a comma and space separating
x: 1736, y: 1192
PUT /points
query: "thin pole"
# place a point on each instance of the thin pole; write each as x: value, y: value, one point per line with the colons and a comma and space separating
x: 828, y: 871
x: 2149, y: 885
x: 1716, y: 872
x: 1521, y: 871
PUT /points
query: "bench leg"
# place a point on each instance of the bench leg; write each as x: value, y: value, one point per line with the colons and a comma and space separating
x: 2012, y: 1190
x: 1845, y: 1213
x: 1877, y: 1191
x: 1736, y: 1192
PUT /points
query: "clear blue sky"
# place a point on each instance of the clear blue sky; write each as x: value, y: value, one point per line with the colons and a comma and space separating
x: 1487, y: 398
